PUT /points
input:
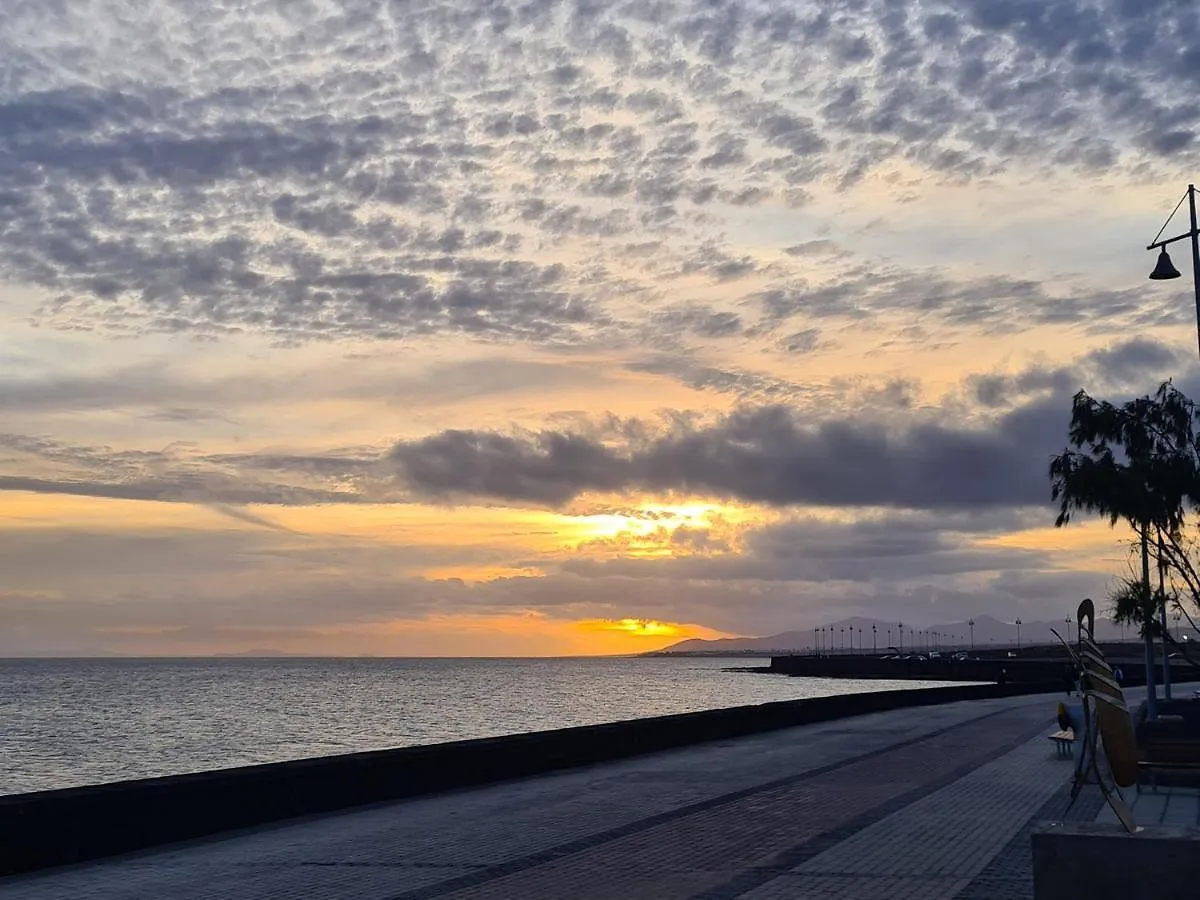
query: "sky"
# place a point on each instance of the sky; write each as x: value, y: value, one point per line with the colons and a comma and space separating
x: 544, y: 328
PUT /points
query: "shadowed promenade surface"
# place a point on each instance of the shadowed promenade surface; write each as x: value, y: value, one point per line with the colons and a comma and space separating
x: 925, y: 803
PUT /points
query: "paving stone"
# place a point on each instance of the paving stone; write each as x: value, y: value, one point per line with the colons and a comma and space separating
x: 1009, y: 874
x: 801, y: 887
x: 956, y: 830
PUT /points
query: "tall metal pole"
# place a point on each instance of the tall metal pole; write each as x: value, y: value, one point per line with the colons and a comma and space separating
x: 1195, y: 257
x: 1162, y: 618
x: 1147, y: 618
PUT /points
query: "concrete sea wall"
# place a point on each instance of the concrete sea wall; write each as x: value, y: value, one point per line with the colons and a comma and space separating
x: 54, y: 828
x: 1039, y: 671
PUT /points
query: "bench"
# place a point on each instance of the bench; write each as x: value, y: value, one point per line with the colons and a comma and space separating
x: 1167, y: 756
x: 1062, y: 742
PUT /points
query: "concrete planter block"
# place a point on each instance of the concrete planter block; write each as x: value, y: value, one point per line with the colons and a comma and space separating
x: 1073, y: 860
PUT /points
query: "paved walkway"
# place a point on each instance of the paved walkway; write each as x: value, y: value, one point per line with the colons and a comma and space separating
x: 926, y: 803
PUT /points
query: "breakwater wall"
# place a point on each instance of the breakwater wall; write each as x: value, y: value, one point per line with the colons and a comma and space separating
x: 54, y: 828
x: 1016, y: 671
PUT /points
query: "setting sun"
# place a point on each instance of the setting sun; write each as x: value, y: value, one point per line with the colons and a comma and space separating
x: 642, y: 627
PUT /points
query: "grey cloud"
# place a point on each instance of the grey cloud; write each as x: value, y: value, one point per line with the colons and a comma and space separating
x: 175, y: 476
x: 747, y: 385
x: 818, y: 247
x: 765, y: 455
x: 208, y: 488
x: 698, y: 319
x: 1133, y: 358
x: 992, y: 304
x: 1138, y: 363
x: 550, y: 468
x: 804, y: 341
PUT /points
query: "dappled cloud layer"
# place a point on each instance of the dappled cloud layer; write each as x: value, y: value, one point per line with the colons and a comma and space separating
x: 362, y: 326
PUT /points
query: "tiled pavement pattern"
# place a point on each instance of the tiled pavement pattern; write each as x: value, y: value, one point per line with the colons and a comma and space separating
x: 1009, y: 874
x: 955, y: 842
x: 914, y: 803
x: 1170, y: 806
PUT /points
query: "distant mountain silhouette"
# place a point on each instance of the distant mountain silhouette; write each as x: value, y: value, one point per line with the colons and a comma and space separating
x: 989, y: 631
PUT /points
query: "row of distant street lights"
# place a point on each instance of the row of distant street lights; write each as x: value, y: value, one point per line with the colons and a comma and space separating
x: 931, y: 639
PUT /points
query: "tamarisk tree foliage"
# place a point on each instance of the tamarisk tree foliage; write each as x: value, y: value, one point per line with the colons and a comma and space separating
x: 1139, y: 462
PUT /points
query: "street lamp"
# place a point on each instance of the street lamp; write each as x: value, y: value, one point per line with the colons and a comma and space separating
x: 875, y: 649
x: 1068, y: 621
x: 1018, y: 633
x: 842, y: 638
x: 1164, y: 269
x: 971, y: 623
x: 901, y: 627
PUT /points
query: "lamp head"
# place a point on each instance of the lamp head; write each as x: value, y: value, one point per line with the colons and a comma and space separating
x: 1164, y: 269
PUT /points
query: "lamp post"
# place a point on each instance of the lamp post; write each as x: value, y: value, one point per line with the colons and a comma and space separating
x: 971, y: 625
x: 875, y: 649
x: 1165, y: 269
x: 901, y: 627
x: 1018, y: 632
x: 1068, y: 621
x: 842, y: 638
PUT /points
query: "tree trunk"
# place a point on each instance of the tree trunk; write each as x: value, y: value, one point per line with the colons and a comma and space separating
x: 1147, y: 620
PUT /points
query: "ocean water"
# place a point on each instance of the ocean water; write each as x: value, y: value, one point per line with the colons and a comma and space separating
x: 73, y: 722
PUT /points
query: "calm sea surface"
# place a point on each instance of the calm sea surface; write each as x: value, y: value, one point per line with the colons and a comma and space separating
x: 73, y: 722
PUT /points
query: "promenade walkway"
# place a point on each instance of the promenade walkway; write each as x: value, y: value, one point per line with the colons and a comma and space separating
x: 925, y: 803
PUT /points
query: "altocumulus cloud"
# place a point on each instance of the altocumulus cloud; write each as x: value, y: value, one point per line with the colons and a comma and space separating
x: 374, y: 168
